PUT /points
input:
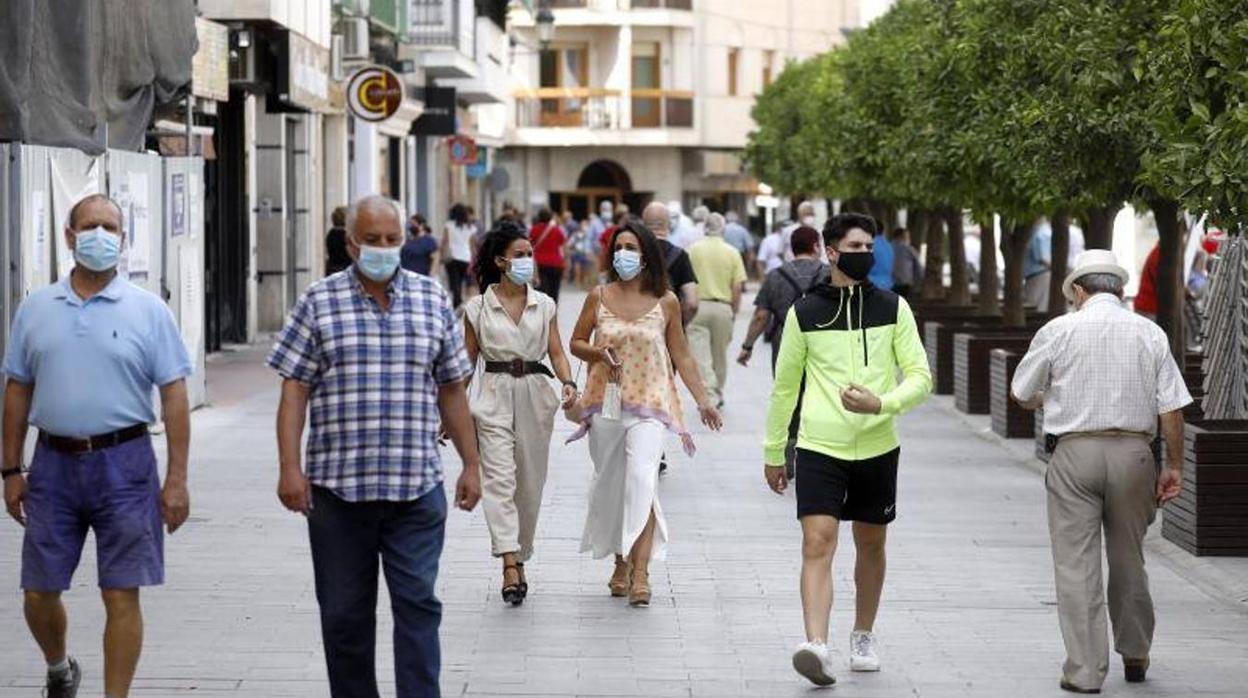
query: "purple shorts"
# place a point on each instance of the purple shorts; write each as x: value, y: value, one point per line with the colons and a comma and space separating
x: 115, y: 493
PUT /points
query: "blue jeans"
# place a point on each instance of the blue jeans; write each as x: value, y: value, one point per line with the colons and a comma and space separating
x: 347, y: 540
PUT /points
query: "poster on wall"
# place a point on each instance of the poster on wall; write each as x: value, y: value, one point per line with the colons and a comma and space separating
x: 190, y: 299
x: 177, y: 191
x: 39, y: 219
x: 131, y: 195
x: 70, y: 183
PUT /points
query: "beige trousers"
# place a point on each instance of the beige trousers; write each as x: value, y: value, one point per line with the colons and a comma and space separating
x: 1100, y: 483
x: 709, y: 333
x: 514, y: 419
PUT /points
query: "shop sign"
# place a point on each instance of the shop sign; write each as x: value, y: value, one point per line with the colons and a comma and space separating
x: 480, y: 167
x: 463, y: 150
x: 438, y: 116
x: 374, y: 93
x: 303, y: 77
x: 210, y: 68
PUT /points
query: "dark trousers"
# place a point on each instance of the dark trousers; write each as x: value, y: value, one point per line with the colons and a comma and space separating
x: 456, y: 273
x: 552, y: 279
x: 347, y: 539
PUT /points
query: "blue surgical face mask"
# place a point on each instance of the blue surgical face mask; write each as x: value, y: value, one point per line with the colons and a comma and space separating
x: 378, y: 263
x: 521, y: 270
x: 97, y: 249
x: 627, y: 264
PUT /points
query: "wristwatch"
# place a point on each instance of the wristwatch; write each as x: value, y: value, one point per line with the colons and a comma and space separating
x: 748, y: 347
x: 15, y: 470
x: 570, y: 384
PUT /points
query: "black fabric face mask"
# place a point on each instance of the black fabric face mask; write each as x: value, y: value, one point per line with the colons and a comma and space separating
x: 856, y: 265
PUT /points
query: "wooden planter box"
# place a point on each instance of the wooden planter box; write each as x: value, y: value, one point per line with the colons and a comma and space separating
x: 939, y: 347
x: 1009, y: 420
x: 1210, y: 517
x: 972, y: 372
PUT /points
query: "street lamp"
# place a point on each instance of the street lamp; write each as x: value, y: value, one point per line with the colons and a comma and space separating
x: 545, y: 24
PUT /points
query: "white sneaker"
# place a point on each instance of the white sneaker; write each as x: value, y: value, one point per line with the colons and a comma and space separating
x: 863, y: 652
x: 812, y: 661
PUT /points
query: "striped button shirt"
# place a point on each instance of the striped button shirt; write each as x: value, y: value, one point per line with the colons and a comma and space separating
x: 374, y: 378
x: 1103, y: 368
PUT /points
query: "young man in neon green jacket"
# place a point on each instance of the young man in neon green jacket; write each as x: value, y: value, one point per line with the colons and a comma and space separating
x: 849, y: 339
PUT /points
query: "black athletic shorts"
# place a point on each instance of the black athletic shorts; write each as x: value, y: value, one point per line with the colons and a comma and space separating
x: 848, y: 490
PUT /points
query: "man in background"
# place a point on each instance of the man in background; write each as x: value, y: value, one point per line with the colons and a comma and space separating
x: 721, y: 280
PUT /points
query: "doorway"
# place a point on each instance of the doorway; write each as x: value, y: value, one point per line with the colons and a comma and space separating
x: 227, y: 230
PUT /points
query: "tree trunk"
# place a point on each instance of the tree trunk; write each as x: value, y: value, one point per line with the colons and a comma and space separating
x: 916, y: 223
x: 934, y: 267
x: 1098, y: 234
x: 1060, y: 252
x: 1170, y: 275
x: 988, y: 284
x: 959, y: 285
x: 1014, y: 241
x: 888, y: 222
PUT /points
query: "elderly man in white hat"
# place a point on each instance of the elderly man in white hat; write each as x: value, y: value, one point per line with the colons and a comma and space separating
x: 1104, y: 375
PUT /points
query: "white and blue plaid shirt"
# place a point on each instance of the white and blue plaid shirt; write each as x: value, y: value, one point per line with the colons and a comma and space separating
x: 374, y: 378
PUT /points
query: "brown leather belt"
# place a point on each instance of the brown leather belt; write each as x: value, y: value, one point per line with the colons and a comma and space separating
x: 74, y: 446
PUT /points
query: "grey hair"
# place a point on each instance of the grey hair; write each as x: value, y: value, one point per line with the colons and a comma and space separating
x: 375, y: 203
x: 700, y: 214
x: 715, y: 224
x: 1100, y: 283
x: 657, y: 210
x: 806, y: 206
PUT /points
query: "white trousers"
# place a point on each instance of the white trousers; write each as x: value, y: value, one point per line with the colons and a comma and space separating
x: 626, y: 455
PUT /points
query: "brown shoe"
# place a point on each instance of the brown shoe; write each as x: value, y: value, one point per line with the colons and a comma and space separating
x: 620, y: 578
x: 1135, y: 670
x: 639, y: 594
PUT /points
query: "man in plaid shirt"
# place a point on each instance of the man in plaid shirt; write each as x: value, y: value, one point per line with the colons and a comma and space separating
x: 375, y: 354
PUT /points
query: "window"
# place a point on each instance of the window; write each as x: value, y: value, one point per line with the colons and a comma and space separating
x: 566, y: 68
x: 646, y: 97
x: 769, y: 59
x: 734, y: 55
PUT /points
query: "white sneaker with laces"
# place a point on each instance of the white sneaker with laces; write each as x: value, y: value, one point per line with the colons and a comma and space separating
x: 863, y: 651
x: 813, y: 661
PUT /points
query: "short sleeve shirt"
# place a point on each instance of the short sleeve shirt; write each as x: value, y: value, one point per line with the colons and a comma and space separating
x: 374, y: 379
x: 94, y: 363
x: 679, y: 269
x: 718, y: 266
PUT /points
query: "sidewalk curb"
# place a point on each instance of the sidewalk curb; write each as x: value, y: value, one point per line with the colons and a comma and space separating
x: 1222, y: 579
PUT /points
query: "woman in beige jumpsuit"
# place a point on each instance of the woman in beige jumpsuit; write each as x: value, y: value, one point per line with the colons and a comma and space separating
x: 513, y: 327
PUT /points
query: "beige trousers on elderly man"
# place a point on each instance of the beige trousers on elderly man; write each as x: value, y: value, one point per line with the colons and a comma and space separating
x: 709, y: 333
x: 1101, y: 483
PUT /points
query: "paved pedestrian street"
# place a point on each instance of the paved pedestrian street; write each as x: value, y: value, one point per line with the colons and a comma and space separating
x: 968, y: 606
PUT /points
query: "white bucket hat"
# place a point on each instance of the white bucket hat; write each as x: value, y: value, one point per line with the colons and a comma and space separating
x: 1093, y: 262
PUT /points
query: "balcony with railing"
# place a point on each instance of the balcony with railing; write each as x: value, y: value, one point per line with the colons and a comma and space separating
x: 603, y: 116
x: 441, y: 37
x: 623, y: 4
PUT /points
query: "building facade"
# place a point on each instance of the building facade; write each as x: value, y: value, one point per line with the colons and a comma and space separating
x: 635, y: 100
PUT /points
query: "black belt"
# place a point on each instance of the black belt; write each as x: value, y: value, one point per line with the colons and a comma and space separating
x: 518, y: 368
x: 66, y: 444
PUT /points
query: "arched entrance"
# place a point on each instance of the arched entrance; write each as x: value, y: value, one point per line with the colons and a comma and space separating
x: 601, y: 180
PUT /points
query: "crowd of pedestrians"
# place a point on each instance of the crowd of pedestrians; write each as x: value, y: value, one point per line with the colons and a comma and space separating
x: 381, y: 364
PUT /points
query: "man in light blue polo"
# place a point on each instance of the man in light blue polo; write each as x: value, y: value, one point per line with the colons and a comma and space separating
x: 83, y: 358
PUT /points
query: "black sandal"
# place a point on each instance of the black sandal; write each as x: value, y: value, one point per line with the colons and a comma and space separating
x: 524, y: 584
x: 512, y: 593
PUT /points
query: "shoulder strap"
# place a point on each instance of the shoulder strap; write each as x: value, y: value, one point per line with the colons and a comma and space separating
x: 549, y: 226
x: 788, y: 276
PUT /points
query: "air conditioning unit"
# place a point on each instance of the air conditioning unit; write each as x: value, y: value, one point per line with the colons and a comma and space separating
x: 336, y: 70
x: 355, y: 46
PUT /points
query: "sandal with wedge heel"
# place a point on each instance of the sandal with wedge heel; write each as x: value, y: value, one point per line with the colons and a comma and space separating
x: 512, y: 592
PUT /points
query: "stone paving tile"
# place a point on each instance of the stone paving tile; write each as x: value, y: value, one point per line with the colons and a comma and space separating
x: 968, y: 607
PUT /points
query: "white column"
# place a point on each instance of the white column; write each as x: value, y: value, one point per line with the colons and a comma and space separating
x: 364, y: 160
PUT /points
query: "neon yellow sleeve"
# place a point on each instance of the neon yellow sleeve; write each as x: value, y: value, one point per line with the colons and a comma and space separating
x: 916, y: 383
x: 790, y: 366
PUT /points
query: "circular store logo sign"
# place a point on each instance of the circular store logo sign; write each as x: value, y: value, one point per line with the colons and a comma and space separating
x: 374, y: 93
